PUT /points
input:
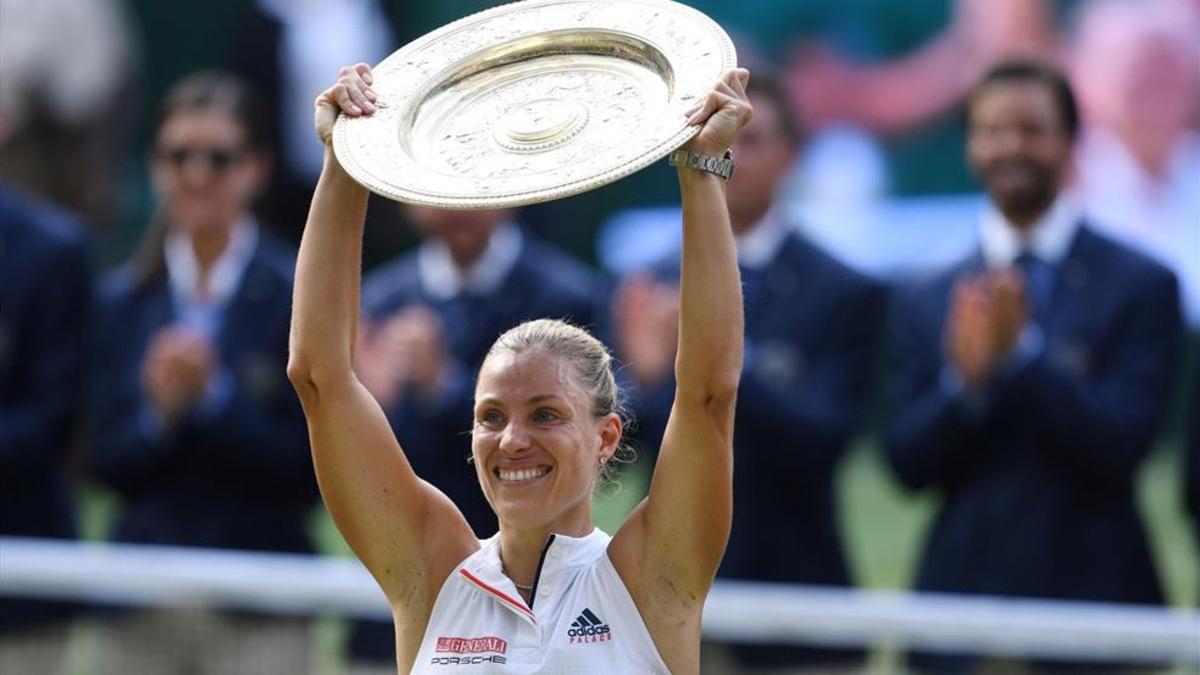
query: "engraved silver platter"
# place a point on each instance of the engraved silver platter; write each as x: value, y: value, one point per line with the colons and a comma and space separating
x: 533, y: 101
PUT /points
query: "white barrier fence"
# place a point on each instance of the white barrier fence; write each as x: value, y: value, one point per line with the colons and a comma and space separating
x: 739, y: 611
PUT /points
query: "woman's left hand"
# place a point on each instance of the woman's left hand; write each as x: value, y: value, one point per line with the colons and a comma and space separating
x: 723, y: 112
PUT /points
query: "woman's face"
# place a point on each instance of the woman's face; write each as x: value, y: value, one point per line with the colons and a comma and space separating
x: 536, y: 443
x: 204, y: 172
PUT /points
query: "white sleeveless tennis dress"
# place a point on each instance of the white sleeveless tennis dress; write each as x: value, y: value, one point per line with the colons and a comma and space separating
x: 582, y: 618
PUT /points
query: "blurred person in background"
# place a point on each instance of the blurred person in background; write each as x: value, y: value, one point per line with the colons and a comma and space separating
x: 286, y: 50
x: 813, y: 329
x: 1136, y: 66
x: 881, y: 176
x: 1033, y: 376
x: 45, y: 322
x: 905, y: 98
x: 196, y: 425
x: 65, y: 79
x: 431, y: 316
x: 1138, y: 74
x: 900, y: 95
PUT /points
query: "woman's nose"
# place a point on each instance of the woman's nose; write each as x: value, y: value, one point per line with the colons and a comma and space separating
x: 515, y: 439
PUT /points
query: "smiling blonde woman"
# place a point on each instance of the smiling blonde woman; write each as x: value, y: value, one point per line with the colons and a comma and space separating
x: 549, y: 592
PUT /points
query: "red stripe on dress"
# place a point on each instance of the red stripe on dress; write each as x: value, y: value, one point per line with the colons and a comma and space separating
x: 496, y: 592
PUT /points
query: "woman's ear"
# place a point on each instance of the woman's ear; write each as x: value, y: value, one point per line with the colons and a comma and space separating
x: 611, y: 430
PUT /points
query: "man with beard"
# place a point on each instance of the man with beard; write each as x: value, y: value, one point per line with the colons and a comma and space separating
x: 1032, y: 376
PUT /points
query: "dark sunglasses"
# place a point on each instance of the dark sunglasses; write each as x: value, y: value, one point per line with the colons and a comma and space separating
x: 216, y: 159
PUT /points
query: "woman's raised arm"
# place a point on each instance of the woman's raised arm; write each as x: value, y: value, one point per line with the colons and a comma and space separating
x: 669, y: 549
x: 407, y: 533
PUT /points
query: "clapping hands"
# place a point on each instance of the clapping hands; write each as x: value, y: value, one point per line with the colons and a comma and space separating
x: 176, y: 370
x: 404, y: 351
x: 986, y: 317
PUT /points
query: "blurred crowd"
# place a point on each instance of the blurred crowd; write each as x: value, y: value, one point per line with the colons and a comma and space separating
x: 969, y: 228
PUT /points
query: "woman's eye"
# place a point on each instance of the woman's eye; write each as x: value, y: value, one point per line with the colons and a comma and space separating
x: 491, y: 418
x: 544, y: 415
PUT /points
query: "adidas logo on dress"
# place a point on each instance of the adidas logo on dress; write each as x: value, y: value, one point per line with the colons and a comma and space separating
x: 588, y: 628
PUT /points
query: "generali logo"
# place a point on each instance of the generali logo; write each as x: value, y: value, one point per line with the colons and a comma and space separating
x: 479, y: 645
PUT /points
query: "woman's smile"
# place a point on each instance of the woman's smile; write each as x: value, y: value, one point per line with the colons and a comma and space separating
x: 519, y: 476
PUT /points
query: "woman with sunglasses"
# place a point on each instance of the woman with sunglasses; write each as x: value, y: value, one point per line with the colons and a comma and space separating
x: 196, y: 426
x: 549, y: 593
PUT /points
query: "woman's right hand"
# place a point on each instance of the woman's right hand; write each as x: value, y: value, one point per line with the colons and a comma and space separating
x: 722, y: 113
x: 351, y: 94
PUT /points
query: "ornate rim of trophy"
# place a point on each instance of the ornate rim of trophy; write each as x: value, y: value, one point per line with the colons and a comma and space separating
x: 533, y: 101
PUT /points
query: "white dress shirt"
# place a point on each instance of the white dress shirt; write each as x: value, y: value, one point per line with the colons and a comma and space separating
x: 443, y: 280
x: 1049, y: 238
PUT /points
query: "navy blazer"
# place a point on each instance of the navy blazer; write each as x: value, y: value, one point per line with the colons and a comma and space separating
x: 544, y: 283
x: 45, y: 312
x: 1036, y: 475
x: 239, y: 476
x: 813, y: 333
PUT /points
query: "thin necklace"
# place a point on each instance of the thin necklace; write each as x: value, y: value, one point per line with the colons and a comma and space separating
x: 520, y: 587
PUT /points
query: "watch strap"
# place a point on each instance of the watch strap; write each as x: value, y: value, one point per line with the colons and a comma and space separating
x: 721, y: 166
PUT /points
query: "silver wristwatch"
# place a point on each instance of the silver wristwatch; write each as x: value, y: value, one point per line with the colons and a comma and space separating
x: 722, y: 166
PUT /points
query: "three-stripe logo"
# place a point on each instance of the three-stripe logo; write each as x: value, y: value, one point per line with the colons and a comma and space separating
x: 588, y: 627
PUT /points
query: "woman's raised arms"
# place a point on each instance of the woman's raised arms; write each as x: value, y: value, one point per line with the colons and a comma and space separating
x: 668, y: 551
x: 407, y: 533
